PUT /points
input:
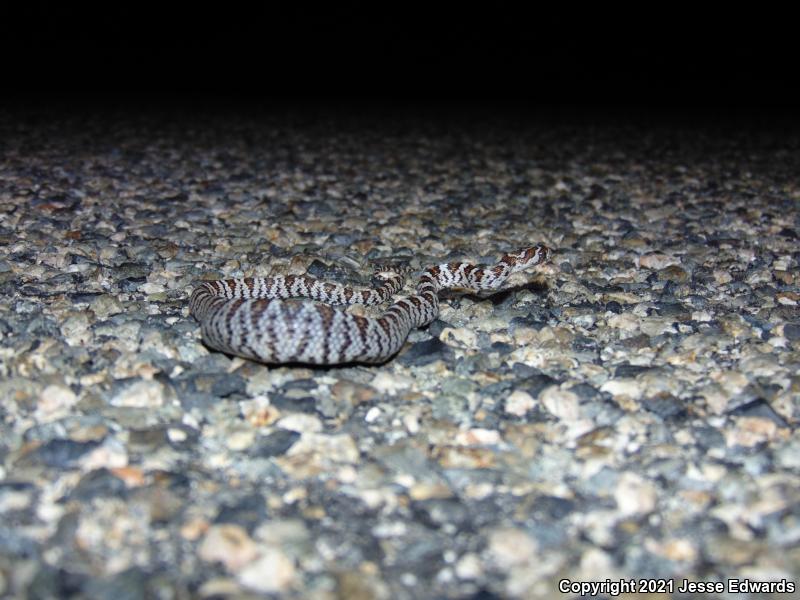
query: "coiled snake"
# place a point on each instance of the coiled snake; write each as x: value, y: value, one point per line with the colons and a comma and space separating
x: 252, y: 317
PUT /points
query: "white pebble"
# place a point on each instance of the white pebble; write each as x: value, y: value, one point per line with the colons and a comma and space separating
x: 657, y: 260
x: 635, y: 495
x: 469, y: 566
x: 511, y: 548
x: 518, y: 403
x: 273, y: 572
x: 562, y: 404
x: 229, y: 544
x: 478, y: 437
x: 391, y: 384
x: 301, y: 423
x: 54, y: 401
x: 630, y: 388
x: 466, y: 338
x: 141, y: 394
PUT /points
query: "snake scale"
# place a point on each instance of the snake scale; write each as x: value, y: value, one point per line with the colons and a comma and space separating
x: 258, y: 318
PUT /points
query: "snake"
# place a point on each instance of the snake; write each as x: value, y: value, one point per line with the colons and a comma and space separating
x: 287, y: 319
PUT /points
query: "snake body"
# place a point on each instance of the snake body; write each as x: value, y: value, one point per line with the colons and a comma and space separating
x: 258, y: 318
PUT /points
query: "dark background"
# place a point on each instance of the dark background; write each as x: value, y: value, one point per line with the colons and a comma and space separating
x: 671, y: 63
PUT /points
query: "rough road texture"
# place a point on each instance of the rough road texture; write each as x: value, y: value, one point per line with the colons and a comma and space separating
x: 629, y: 414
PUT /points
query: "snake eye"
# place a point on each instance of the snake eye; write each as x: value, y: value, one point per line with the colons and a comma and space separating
x: 544, y: 252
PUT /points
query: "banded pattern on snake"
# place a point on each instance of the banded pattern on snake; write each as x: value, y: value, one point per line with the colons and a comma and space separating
x: 255, y: 318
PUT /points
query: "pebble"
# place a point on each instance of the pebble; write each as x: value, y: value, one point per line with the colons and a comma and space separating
x: 469, y: 566
x: 229, y: 544
x: 478, y: 437
x: 75, y: 330
x: 519, y: 402
x: 140, y: 394
x: 314, y: 454
x: 751, y: 431
x: 459, y: 337
x: 106, y: 306
x: 300, y: 423
x: 271, y: 573
x: 628, y: 388
x: 511, y: 547
x: 657, y: 261
x: 562, y: 404
x: 424, y: 353
x: 59, y: 453
x: 386, y: 383
x: 55, y: 401
x: 635, y: 495
x: 275, y: 443
x: 240, y: 439
x: 792, y: 331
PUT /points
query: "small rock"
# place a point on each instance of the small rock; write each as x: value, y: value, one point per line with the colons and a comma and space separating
x: 274, y: 444
x: 105, y: 306
x: 679, y: 550
x: 339, y: 448
x: 628, y: 370
x: 628, y: 388
x: 534, y: 384
x: 54, y: 401
x: 60, y: 453
x: 300, y: 422
x: 111, y: 454
x: 140, y: 394
x: 635, y: 495
x: 673, y: 273
x: 98, y: 483
x: 248, y: 511
x: 295, y: 402
x: 735, y: 326
x: 373, y: 414
x: 429, y: 490
x: 625, y: 321
x: 273, y: 572
x: 562, y: 404
x: 15, y: 496
x: 130, y: 584
x: 469, y: 566
x: 467, y: 458
x: 509, y: 548
x: 424, y: 353
x: 151, y: 288
x: 240, y: 439
x: 351, y: 393
x: 657, y: 261
x: 259, y: 412
x: 751, y: 431
x: 478, y: 437
x: 791, y: 331
x: 76, y: 330
x: 552, y: 508
x: 666, y: 406
x: 759, y: 408
x: 787, y: 298
x: 388, y: 383
x: 229, y: 544
x: 788, y: 455
x: 460, y: 336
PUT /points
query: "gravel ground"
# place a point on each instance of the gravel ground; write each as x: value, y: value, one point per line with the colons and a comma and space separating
x: 627, y: 412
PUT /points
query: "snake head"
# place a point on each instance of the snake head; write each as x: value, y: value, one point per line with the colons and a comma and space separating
x: 532, y: 256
